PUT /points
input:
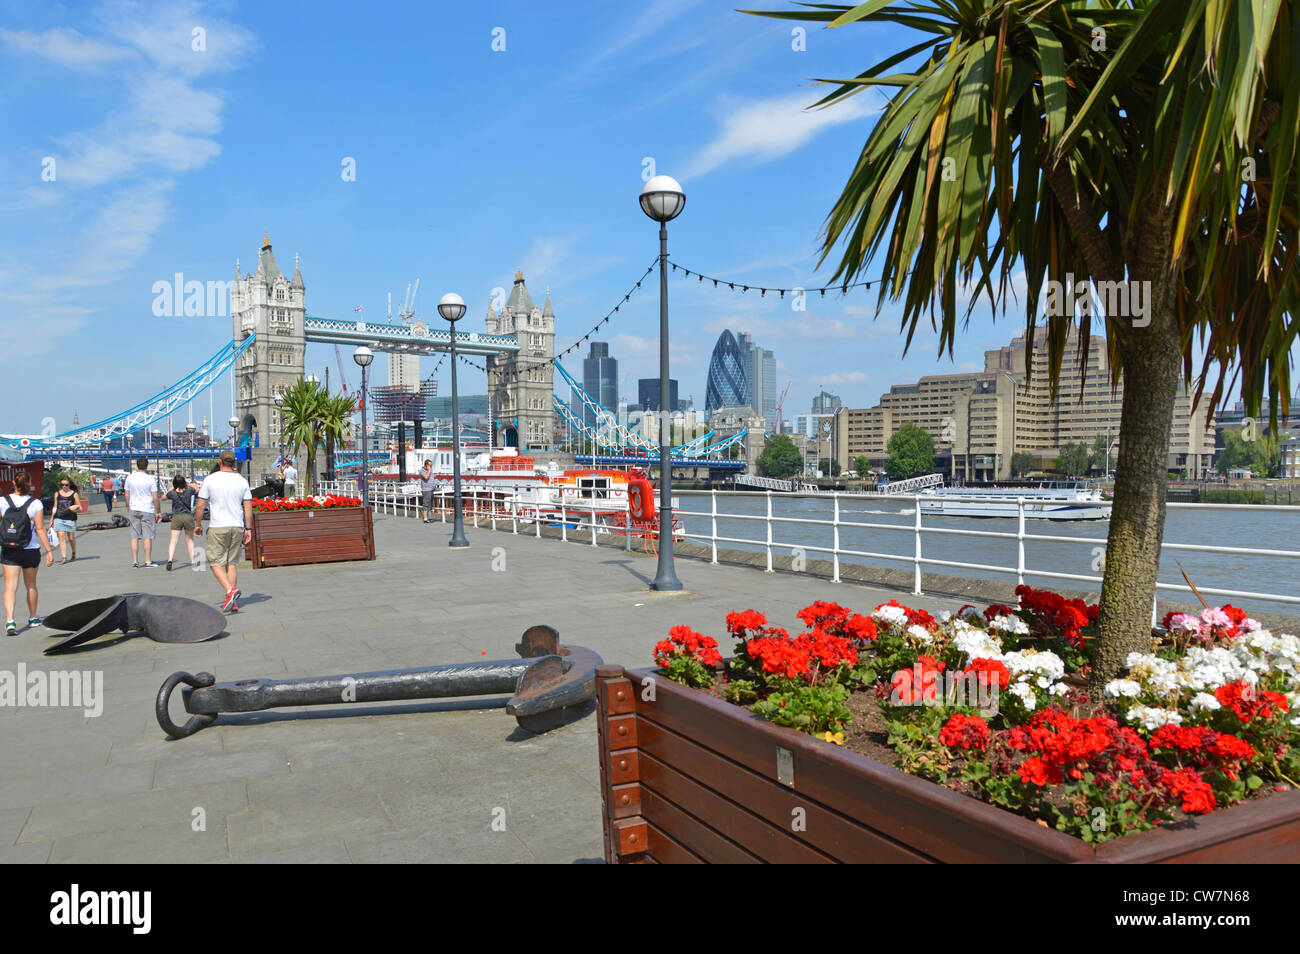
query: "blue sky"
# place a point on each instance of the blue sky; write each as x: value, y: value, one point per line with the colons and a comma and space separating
x: 470, y: 161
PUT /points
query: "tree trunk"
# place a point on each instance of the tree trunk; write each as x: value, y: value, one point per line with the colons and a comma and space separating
x: 1152, y: 357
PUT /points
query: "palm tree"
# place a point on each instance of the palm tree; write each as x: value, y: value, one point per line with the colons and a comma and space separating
x: 1149, y: 144
x: 302, y: 415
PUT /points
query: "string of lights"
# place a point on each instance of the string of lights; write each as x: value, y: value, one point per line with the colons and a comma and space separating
x: 843, y: 289
x: 513, y: 375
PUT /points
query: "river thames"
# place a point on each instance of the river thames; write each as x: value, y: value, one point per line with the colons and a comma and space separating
x: 1192, y: 524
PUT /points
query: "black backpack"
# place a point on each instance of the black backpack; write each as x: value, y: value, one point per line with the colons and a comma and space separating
x: 15, y: 525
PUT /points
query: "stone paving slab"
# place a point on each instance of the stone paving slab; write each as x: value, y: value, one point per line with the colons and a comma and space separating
x: 383, y: 783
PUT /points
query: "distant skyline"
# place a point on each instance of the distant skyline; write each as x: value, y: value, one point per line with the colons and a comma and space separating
x: 147, y: 140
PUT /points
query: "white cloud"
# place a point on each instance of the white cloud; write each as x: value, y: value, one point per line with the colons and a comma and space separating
x: 762, y: 130
x: 117, y: 173
x: 66, y: 48
x: 654, y: 17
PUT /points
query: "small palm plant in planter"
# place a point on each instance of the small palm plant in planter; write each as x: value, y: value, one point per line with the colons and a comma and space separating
x: 994, y: 705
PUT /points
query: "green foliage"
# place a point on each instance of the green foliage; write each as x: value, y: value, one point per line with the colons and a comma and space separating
x: 807, y: 708
x: 689, y: 671
x: 862, y: 465
x: 828, y: 466
x: 915, y: 741
x: 740, y: 691
x: 1262, y: 457
x: 780, y: 458
x: 911, y: 453
x: 1073, y: 461
x: 80, y: 479
x: 1021, y: 463
x: 310, y: 416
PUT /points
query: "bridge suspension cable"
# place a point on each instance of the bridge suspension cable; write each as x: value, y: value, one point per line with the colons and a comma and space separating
x: 159, y: 406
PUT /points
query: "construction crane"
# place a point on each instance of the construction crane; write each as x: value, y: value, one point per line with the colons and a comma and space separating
x: 778, y: 406
x: 407, y: 311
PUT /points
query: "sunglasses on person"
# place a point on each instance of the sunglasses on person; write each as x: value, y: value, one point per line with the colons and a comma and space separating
x: 64, y: 486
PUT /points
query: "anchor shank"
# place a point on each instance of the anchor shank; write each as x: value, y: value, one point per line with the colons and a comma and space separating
x: 462, y: 679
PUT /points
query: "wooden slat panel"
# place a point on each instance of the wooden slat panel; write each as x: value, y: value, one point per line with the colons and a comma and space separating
x: 666, y: 851
x: 932, y: 820
x: 1267, y: 831
x: 723, y: 816
x: 757, y: 812
x: 707, y: 843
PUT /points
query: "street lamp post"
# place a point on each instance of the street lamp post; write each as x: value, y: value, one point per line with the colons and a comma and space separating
x: 234, y: 437
x: 452, y: 307
x: 156, y: 441
x: 363, y: 356
x: 663, y: 200
x: 190, y: 429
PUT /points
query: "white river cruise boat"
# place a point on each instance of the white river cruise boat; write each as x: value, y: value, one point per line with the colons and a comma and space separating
x: 1053, y: 501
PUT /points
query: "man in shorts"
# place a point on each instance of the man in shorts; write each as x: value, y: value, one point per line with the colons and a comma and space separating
x: 142, y: 510
x: 227, y: 498
x: 290, y: 475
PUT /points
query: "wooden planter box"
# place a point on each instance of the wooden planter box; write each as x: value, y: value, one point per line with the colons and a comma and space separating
x: 686, y: 777
x: 328, y: 535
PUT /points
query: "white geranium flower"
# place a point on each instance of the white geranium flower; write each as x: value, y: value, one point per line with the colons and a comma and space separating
x: 1058, y: 689
x: 1203, y: 701
x: 1009, y: 624
x: 1028, y: 664
x: 1123, y: 688
x: 894, y: 616
x: 1151, y: 718
x: 920, y: 634
x: 1025, y: 694
x: 977, y: 644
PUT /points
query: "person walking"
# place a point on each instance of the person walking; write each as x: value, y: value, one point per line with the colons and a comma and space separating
x: 110, y: 489
x: 67, y: 502
x: 428, y: 488
x: 182, y: 496
x: 22, y: 536
x: 230, y: 500
x: 142, y: 511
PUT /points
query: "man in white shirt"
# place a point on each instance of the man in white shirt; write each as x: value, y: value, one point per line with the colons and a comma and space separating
x: 142, y: 509
x: 228, y: 499
x: 290, y: 475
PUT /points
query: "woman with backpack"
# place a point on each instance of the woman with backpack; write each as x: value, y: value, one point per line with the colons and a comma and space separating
x: 22, y: 536
x: 67, y: 501
x: 182, y: 495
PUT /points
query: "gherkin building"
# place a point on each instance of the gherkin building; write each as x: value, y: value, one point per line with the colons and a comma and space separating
x: 726, y: 384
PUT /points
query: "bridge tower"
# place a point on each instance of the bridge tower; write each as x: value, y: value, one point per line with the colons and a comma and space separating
x: 274, y: 307
x: 520, y: 383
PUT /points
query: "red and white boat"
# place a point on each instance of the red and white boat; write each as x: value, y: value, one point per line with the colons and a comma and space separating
x: 509, y: 483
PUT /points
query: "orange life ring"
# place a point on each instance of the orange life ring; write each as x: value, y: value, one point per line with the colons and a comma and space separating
x: 640, y: 499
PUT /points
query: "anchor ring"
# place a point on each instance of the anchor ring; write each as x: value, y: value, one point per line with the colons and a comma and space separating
x: 161, y: 710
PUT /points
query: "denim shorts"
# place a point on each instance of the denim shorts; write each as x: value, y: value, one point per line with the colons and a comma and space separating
x: 65, y: 526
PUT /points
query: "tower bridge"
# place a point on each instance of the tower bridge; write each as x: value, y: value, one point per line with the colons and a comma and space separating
x: 272, y: 309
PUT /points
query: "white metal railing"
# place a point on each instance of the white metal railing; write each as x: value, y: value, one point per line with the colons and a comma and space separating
x: 487, y: 508
x: 387, y: 497
x: 918, y: 529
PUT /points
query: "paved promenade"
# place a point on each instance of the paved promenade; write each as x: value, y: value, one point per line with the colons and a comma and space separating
x: 415, y: 782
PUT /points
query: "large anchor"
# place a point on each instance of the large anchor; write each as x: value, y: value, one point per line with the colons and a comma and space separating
x: 548, y: 682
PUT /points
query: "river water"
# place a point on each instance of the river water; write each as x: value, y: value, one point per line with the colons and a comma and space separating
x: 1190, y: 524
